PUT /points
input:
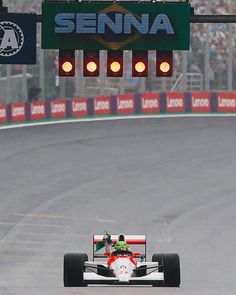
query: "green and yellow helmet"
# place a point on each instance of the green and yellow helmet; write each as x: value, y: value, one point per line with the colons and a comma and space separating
x: 121, y: 244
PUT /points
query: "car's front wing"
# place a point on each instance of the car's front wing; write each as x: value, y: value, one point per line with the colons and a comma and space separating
x: 149, y: 279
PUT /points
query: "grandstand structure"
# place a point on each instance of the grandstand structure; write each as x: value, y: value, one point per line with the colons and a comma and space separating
x: 209, y: 65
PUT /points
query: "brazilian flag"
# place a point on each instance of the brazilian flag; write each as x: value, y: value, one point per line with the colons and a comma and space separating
x: 101, y: 244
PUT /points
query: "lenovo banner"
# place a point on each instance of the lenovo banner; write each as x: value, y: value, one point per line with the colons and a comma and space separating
x: 175, y: 102
x: 79, y: 107
x: 150, y: 102
x: 125, y: 104
x: 226, y: 102
x: 3, y: 114
x: 58, y: 108
x: 102, y: 105
x: 201, y: 102
x: 18, y: 112
x: 37, y: 111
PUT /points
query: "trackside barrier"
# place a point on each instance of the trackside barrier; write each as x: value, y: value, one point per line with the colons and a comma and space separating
x: 3, y: 113
x: 124, y: 104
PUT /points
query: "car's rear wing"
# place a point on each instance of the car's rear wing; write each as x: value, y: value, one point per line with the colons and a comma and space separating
x: 134, y: 240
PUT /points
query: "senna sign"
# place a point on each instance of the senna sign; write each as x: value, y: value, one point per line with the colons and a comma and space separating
x: 123, y: 26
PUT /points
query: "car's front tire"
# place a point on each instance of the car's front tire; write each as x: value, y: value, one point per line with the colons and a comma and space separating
x: 74, y: 269
x: 170, y: 266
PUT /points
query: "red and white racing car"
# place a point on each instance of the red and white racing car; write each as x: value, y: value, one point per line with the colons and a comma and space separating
x: 122, y: 267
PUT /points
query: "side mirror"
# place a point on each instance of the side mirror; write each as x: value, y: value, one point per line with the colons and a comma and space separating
x: 107, y: 253
x: 136, y: 254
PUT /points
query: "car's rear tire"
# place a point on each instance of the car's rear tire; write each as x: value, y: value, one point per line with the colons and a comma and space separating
x: 74, y: 269
x: 170, y: 266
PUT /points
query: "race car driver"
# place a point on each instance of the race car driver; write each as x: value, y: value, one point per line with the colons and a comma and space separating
x: 121, y: 244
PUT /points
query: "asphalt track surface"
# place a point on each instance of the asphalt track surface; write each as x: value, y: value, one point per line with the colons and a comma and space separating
x: 173, y: 179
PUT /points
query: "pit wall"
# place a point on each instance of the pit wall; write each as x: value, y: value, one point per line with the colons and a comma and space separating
x: 125, y: 104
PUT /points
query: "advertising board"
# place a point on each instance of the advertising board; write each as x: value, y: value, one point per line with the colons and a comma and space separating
x: 226, y: 102
x: 37, y: 111
x: 120, y: 25
x: 150, y: 102
x: 18, y: 112
x: 201, y: 102
x: 79, y: 107
x: 125, y: 104
x: 102, y: 105
x: 17, y: 38
x: 3, y: 114
x: 58, y: 108
x: 175, y: 102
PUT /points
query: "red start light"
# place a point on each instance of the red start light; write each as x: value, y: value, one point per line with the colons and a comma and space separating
x: 91, y: 66
x: 165, y: 67
x: 140, y: 66
x: 139, y: 63
x: 67, y: 66
x: 66, y: 63
x: 164, y: 63
x: 115, y: 66
x: 114, y: 63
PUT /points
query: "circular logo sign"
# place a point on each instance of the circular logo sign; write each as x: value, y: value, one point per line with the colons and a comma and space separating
x: 11, y: 39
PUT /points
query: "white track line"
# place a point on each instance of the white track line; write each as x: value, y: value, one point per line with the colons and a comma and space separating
x: 43, y: 243
x: 10, y: 256
x: 45, y: 216
x: 51, y: 235
x: 39, y: 273
x: 99, y: 220
x: 34, y: 225
x: 127, y: 117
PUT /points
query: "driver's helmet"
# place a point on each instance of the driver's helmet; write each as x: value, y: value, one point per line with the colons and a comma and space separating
x: 121, y: 238
x: 121, y: 245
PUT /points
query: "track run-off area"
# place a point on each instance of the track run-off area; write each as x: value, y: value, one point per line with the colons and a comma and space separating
x: 173, y: 179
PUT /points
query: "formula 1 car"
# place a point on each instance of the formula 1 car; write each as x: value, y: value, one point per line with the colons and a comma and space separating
x: 122, y: 267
